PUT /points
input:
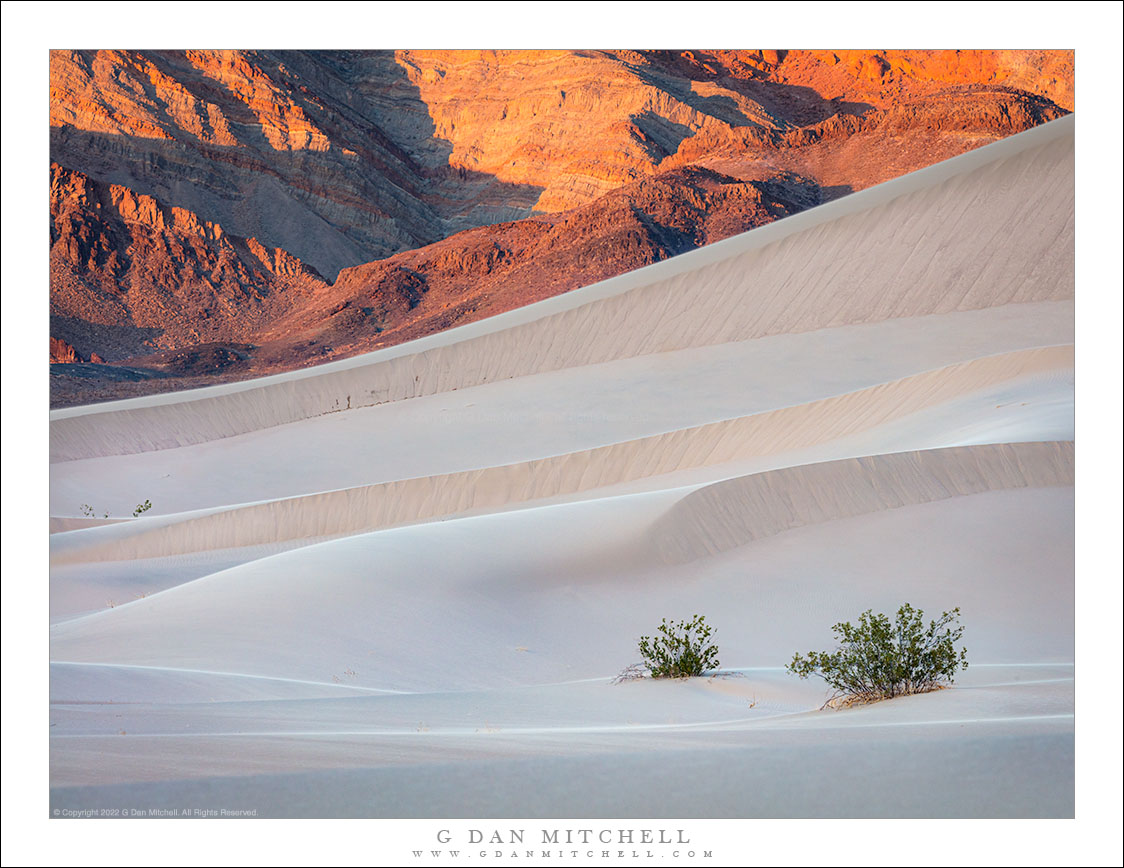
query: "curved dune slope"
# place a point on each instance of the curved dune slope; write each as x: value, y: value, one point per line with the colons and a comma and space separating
x: 365, y: 508
x: 729, y: 514
x: 344, y: 602
x: 550, y: 414
x: 450, y: 605
x: 900, y: 249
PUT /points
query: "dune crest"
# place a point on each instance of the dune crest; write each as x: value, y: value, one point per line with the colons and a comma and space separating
x: 865, y: 404
x: 896, y: 250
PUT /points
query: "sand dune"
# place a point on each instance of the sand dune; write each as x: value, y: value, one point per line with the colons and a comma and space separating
x: 898, y: 249
x: 565, y: 411
x: 450, y: 605
x: 1002, y: 770
x: 366, y: 587
x: 365, y: 508
x: 62, y: 523
x: 497, y: 682
x: 730, y: 514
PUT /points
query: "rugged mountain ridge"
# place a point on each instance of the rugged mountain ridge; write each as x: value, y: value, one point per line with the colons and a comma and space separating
x: 229, y: 214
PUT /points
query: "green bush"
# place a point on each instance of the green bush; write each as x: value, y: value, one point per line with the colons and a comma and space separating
x: 142, y: 508
x: 680, y: 650
x: 879, y: 660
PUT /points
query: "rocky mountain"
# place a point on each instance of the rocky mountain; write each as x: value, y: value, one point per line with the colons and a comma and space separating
x: 225, y: 214
x: 129, y: 271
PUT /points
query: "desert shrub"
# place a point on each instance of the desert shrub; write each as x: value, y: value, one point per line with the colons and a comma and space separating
x: 142, y: 507
x: 880, y: 659
x: 680, y: 649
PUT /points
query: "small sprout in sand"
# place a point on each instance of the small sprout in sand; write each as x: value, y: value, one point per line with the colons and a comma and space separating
x: 880, y: 660
x: 88, y: 510
x: 680, y: 650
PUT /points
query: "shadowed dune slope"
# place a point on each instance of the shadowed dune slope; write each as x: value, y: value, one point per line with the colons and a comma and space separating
x: 738, y: 511
x: 558, y: 412
x: 366, y: 508
x: 542, y: 596
x: 344, y: 600
x: 965, y: 234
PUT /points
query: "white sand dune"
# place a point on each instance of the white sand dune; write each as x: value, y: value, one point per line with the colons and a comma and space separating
x: 859, y: 416
x: 400, y: 585
x: 726, y: 515
x: 895, y: 250
x: 449, y: 604
x: 568, y: 411
x: 61, y: 523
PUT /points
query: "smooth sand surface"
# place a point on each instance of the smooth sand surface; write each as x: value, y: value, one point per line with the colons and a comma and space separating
x: 567, y: 411
x: 401, y: 585
x: 991, y: 227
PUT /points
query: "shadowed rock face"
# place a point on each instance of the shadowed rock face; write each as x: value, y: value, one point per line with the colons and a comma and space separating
x: 151, y: 274
x: 276, y: 209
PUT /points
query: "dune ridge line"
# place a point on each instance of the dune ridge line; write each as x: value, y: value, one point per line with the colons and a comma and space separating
x: 896, y: 250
